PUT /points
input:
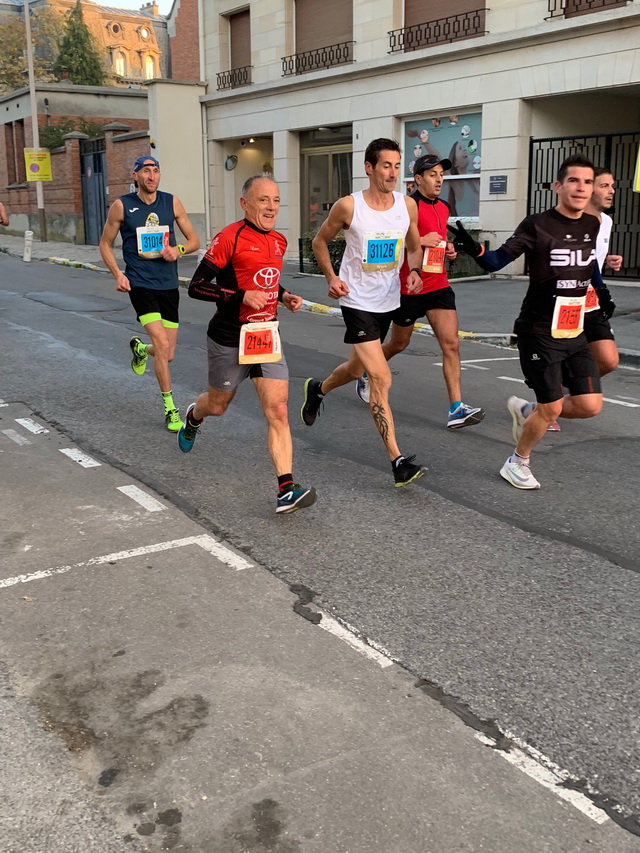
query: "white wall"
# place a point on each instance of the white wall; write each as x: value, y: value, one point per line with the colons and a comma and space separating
x: 175, y: 125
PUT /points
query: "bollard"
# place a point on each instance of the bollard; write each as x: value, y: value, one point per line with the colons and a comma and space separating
x: 28, y: 243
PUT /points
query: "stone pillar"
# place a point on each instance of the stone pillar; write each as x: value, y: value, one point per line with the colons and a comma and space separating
x: 73, y: 177
x: 286, y: 171
x: 506, y: 129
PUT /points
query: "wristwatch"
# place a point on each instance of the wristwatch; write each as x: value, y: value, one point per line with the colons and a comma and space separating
x: 416, y: 269
x: 181, y: 249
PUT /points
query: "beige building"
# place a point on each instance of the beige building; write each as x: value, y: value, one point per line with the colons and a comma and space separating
x: 299, y: 87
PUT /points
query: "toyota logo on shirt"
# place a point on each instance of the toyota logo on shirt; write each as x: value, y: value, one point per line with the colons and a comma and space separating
x: 267, y: 278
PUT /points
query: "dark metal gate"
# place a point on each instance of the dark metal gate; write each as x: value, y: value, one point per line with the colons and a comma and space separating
x: 615, y: 151
x: 93, y: 165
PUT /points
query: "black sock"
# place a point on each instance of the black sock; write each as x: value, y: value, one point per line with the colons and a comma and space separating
x: 285, y: 481
x: 192, y: 420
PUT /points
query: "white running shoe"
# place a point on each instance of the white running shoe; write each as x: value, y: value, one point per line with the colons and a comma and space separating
x: 362, y: 388
x: 519, y: 411
x: 518, y: 473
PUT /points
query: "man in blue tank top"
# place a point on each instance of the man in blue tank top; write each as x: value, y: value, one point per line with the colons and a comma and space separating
x: 145, y: 220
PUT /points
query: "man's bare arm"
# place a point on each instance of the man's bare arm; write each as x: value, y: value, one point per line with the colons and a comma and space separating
x: 115, y: 218
x: 172, y: 253
x: 340, y: 217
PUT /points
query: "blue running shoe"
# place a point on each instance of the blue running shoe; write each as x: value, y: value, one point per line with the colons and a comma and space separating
x: 363, y: 390
x: 464, y: 416
x: 188, y: 432
x: 296, y: 498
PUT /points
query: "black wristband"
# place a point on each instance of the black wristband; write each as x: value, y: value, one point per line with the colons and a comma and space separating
x: 416, y: 269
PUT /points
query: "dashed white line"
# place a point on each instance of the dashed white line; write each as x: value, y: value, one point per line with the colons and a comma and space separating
x: 500, y: 358
x: 3, y: 404
x: 80, y: 457
x: 223, y: 554
x: 549, y: 776
x: 32, y: 426
x: 622, y: 403
x: 511, y: 379
x: 15, y: 436
x: 142, y: 498
x: 606, y: 399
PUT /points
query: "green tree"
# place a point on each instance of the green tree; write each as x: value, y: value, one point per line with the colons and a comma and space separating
x: 46, y: 29
x: 79, y: 52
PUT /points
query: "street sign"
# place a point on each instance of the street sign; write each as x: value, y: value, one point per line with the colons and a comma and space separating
x: 497, y: 184
x: 37, y: 163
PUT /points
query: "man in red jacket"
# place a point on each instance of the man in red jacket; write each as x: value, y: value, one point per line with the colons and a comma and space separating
x: 436, y: 299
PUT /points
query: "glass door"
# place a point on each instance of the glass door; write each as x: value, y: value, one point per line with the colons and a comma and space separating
x: 327, y: 176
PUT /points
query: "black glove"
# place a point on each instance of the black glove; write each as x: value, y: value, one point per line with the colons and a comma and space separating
x: 607, y: 305
x: 464, y: 242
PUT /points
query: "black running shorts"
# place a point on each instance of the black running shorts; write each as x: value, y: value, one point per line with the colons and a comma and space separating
x: 151, y: 305
x: 549, y: 363
x: 365, y: 326
x: 414, y: 306
x: 597, y: 327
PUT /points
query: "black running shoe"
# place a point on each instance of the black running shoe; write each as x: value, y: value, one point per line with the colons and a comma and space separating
x: 313, y: 401
x: 406, y: 472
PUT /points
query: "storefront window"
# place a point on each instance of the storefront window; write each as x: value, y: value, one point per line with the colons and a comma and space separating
x: 456, y: 138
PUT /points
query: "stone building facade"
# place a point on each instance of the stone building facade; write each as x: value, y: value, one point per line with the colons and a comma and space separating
x: 301, y: 87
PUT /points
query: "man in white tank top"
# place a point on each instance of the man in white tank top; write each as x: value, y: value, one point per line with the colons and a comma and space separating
x: 376, y: 222
x: 596, y: 319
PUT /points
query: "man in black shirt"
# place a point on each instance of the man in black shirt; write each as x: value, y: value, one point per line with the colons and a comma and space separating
x: 560, y: 248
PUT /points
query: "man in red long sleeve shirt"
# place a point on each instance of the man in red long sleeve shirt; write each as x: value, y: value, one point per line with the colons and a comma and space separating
x: 240, y: 272
x: 436, y: 300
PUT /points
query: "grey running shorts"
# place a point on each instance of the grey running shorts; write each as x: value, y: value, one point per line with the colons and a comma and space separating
x: 225, y: 374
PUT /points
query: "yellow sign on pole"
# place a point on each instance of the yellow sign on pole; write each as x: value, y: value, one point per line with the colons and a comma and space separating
x: 636, y: 177
x: 37, y: 162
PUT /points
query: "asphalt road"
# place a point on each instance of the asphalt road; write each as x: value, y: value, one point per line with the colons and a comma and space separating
x: 521, y: 607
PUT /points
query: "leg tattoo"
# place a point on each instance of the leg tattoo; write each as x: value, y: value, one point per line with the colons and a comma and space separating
x: 380, y: 421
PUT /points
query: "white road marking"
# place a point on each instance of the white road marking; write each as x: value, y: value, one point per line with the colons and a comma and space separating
x: 607, y: 399
x: 634, y: 399
x: 32, y: 426
x: 15, y: 436
x: 476, y: 366
x: 549, y: 775
x: 328, y: 623
x: 142, y: 498
x: 622, y: 403
x: 500, y: 358
x: 204, y: 541
x: 224, y: 554
x: 3, y: 404
x: 80, y: 457
x: 511, y: 379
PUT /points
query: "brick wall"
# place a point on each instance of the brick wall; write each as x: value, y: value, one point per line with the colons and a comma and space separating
x: 123, y: 149
x: 183, y: 40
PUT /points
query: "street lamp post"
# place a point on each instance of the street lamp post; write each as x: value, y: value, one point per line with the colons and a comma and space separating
x: 34, y: 119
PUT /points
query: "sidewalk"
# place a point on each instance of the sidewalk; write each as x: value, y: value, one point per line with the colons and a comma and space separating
x: 487, y: 306
x: 162, y: 688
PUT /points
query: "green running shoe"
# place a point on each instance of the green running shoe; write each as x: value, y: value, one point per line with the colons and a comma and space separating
x: 173, y: 420
x: 139, y: 360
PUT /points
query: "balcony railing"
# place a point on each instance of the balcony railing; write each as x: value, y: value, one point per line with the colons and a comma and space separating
x: 441, y: 31
x: 234, y: 78
x: 569, y: 8
x: 320, y: 57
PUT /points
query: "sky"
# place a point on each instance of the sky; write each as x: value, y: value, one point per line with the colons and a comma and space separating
x: 164, y: 6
